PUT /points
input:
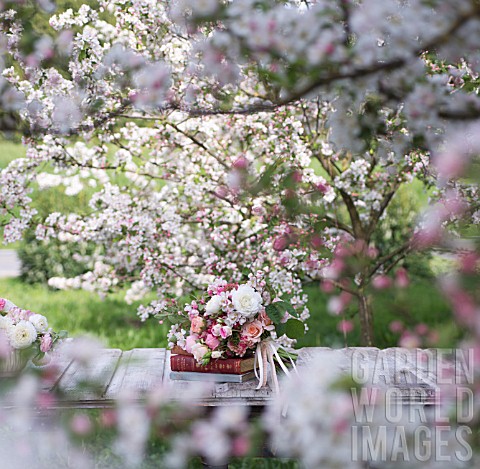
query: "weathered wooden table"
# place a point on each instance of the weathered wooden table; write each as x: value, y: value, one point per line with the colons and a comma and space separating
x: 143, y: 370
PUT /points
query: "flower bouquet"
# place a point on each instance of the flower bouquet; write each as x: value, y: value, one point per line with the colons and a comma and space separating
x: 233, y: 321
x: 24, y: 335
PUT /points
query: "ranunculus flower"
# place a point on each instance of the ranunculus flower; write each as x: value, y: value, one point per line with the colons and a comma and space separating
x: 212, y: 341
x: 199, y: 351
x: 46, y: 343
x: 190, y: 342
x: 22, y: 335
x: 246, y: 301
x: 216, y: 354
x: 198, y: 323
x: 214, y: 304
x: 253, y: 330
x: 40, y: 323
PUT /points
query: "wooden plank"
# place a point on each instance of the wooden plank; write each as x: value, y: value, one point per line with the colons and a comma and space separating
x: 139, y: 371
x: 99, y: 371
x: 388, y: 368
x: 56, y: 369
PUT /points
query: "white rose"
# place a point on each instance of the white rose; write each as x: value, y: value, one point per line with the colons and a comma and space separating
x: 40, y: 322
x: 216, y: 354
x: 6, y: 324
x: 213, y: 305
x: 247, y: 301
x: 198, y: 351
x: 22, y: 335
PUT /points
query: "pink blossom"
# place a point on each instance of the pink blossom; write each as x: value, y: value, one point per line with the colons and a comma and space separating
x: 81, y: 424
x: 381, y: 282
x: 401, y: 278
x: 190, y: 341
x: 421, y: 329
x: 3, y: 302
x: 198, y: 323
x: 212, y: 341
x: 280, y: 243
x: 409, y: 340
x: 241, y: 163
x: 240, y: 446
x: 345, y: 326
x: 396, y: 326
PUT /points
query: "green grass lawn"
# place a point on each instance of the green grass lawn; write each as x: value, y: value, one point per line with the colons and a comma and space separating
x: 116, y: 323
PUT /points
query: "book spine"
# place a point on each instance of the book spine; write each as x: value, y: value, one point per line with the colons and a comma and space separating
x: 186, y: 363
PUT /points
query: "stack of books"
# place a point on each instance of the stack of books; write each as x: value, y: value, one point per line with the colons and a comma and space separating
x: 222, y: 370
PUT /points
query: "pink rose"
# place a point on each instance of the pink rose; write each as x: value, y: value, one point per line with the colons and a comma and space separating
x: 2, y: 303
x: 253, y: 330
x: 198, y: 323
x: 212, y: 341
x: 190, y: 342
x: 46, y: 343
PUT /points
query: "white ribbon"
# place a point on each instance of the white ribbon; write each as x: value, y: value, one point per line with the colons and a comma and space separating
x: 267, y: 352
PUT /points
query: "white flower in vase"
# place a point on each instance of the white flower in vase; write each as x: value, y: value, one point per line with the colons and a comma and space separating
x: 22, y: 335
x: 40, y: 323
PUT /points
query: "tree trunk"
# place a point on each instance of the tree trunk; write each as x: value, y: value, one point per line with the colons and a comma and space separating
x: 366, y: 320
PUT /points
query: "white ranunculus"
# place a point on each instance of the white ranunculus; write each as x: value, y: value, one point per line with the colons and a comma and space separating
x: 40, y: 322
x: 213, y: 305
x: 22, y: 335
x: 247, y: 301
x: 216, y: 354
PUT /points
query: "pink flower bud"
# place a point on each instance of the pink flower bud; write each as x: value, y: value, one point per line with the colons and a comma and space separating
x: 381, y: 282
x: 468, y: 263
x: 221, y: 192
x: 316, y: 242
x: 280, y: 243
x: 323, y: 188
x: 409, y: 340
x: 327, y: 286
x: 81, y: 424
x: 401, y: 278
x: 421, y: 329
x: 396, y: 327
x: 345, y: 326
x: 46, y: 343
x: 241, y: 163
x: 297, y: 176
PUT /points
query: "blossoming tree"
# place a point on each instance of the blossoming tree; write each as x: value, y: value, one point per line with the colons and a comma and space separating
x: 224, y: 136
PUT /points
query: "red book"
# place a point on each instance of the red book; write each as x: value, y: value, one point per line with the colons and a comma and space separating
x: 234, y: 366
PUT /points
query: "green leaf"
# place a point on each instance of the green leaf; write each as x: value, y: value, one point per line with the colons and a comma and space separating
x: 176, y: 319
x: 294, y: 328
x: 274, y: 313
x: 280, y: 329
x: 286, y: 307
